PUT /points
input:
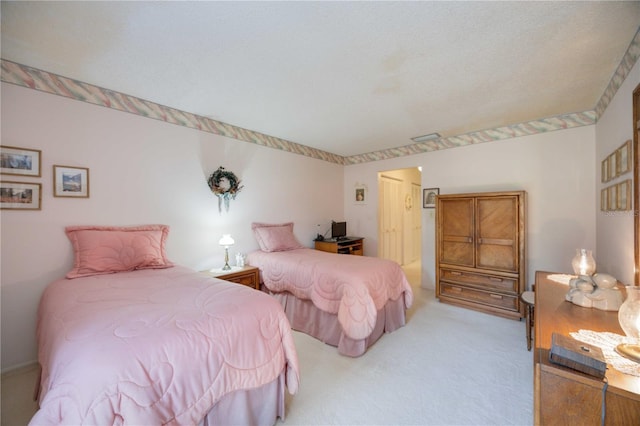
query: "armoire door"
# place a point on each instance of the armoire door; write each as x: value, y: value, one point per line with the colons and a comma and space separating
x: 456, y: 231
x: 497, y: 233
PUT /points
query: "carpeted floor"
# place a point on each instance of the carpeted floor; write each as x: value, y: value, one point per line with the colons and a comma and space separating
x: 447, y: 366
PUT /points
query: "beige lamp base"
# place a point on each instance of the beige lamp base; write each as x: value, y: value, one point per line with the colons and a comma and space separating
x: 629, y: 351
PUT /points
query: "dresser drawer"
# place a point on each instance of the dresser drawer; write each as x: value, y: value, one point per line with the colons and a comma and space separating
x: 498, y: 300
x: 483, y: 281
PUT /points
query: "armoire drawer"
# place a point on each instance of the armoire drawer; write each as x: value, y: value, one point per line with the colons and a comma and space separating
x: 498, y: 300
x: 489, y: 282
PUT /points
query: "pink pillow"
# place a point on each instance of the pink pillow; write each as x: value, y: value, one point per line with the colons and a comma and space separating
x: 108, y: 249
x: 275, y: 237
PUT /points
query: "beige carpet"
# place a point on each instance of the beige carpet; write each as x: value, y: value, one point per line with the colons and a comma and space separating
x: 447, y: 366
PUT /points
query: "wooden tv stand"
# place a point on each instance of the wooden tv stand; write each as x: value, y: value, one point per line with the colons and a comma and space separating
x: 347, y: 245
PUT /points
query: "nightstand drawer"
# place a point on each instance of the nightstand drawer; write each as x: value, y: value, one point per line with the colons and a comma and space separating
x: 247, y: 275
x: 245, y: 279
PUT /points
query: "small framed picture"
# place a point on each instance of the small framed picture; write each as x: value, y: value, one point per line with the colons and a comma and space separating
x: 429, y: 197
x: 20, y: 196
x: 605, y: 171
x: 70, y: 182
x: 613, y: 168
x: 360, y: 194
x: 624, y: 195
x: 624, y: 158
x: 613, y: 197
x: 19, y: 161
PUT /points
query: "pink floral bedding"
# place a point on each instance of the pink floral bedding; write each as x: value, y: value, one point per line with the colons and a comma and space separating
x: 353, y: 287
x: 155, y: 347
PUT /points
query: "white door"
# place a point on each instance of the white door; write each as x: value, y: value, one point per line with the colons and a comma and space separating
x: 390, y: 219
x: 415, y: 233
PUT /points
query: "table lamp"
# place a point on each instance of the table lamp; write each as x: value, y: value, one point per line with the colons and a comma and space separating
x: 629, y: 318
x: 226, y: 241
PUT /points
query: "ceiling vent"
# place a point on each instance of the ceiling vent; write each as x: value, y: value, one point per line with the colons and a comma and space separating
x: 424, y: 138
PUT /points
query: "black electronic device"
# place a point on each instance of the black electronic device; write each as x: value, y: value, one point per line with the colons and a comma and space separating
x: 338, y: 230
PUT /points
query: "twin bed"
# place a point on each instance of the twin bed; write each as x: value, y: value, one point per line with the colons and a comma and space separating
x: 344, y: 301
x: 130, y: 338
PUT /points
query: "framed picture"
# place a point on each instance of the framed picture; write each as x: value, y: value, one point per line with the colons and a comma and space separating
x: 20, y: 196
x: 360, y: 194
x: 605, y: 177
x: 70, y: 182
x: 19, y: 161
x: 624, y: 195
x: 429, y: 197
x: 613, y: 197
x: 624, y: 158
x: 604, y: 200
x: 613, y: 168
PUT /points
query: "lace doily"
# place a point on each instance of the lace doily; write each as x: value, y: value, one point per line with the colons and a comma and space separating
x: 608, y: 341
x: 561, y: 278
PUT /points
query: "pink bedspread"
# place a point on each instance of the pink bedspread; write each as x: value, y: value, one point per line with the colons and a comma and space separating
x: 155, y: 347
x: 353, y: 287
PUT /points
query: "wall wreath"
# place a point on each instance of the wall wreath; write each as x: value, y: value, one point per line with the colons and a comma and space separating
x: 225, y: 185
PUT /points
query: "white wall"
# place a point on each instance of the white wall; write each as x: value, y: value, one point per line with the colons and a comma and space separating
x: 555, y: 168
x: 615, y: 229
x: 141, y: 171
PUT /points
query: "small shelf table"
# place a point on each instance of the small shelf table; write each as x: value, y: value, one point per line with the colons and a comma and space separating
x: 347, y: 245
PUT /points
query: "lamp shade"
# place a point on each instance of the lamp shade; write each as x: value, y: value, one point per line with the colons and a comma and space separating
x: 629, y: 318
x: 226, y: 240
x: 583, y: 262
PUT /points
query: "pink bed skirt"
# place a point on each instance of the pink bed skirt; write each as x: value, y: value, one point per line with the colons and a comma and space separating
x: 304, y: 316
x: 259, y: 406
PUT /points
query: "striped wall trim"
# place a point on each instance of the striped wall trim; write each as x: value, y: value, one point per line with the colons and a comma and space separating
x: 559, y: 122
x: 33, y: 78
x: 624, y: 68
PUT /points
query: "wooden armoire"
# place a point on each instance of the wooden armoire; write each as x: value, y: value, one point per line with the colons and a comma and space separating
x: 481, y: 251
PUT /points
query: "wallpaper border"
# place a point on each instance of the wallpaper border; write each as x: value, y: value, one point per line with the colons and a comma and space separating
x: 44, y: 81
x: 32, y: 78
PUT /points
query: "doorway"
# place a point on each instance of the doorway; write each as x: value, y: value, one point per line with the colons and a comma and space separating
x: 399, y: 217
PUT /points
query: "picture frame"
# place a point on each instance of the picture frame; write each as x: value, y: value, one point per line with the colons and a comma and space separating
x: 613, y: 198
x: 70, y: 181
x: 429, y: 197
x: 20, y: 161
x: 613, y: 165
x: 604, y: 199
x: 624, y: 195
x: 624, y: 157
x: 604, y: 173
x: 360, y: 194
x: 20, y: 196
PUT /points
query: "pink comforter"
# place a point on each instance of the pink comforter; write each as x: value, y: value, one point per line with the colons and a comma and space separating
x: 155, y: 347
x: 353, y: 287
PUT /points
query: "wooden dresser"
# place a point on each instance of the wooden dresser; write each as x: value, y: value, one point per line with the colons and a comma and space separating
x: 563, y: 396
x: 481, y: 251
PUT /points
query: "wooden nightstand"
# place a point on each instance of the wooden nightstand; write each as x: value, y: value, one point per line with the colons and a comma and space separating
x: 246, y: 275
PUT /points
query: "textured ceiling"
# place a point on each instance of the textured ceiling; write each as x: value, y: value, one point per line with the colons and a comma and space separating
x: 344, y: 77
